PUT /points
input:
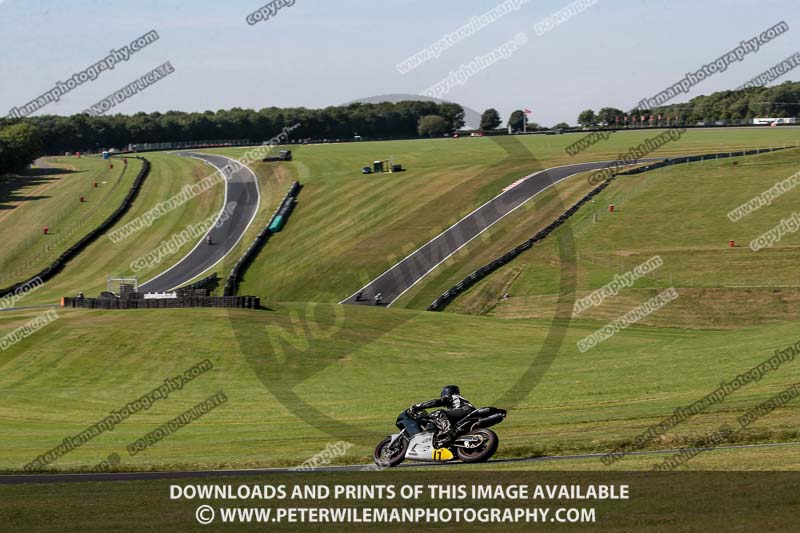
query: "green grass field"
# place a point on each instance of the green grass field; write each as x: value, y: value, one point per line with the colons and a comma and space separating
x: 168, y: 175
x: 49, y: 195
x: 349, y: 227
x: 338, y: 362
x: 679, y: 214
x: 302, y: 375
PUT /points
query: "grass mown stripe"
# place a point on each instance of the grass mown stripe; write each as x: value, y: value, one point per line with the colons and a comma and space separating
x: 440, y: 303
x: 55, y: 267
x: 275, y: 224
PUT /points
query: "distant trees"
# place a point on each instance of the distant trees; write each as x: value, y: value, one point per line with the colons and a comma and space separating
x: 743, y: 105
x: 432, y: 126
x: 453, y: 114
x: 587, y: 118
x: 608, y: 115
x: 20, y: 144
x: 738, y: 106
x: 561, y: 126
x: 371, y: 120
x: 517, y: 120
x: 490, y: 119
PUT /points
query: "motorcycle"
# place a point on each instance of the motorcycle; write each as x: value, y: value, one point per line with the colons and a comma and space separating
x: 468, y: 439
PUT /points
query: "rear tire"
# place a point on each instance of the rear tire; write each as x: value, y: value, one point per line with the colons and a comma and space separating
x: 397, y: 456
x: 482, y: 453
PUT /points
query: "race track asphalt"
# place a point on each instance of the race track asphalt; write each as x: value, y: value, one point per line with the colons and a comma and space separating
x: 241, y: 187
x: 16, y: 479
x: 405, y: 274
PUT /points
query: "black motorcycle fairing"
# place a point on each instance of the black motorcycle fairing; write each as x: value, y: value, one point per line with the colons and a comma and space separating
x: 482, y: 418
x: 413, y: 424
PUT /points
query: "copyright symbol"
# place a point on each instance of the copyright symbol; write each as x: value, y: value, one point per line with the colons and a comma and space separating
x: 204, y: 514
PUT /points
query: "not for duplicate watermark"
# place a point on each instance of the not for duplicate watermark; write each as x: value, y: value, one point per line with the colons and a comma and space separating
x: 631, y: 317
x: 90, y: 73
x: 613, y: 287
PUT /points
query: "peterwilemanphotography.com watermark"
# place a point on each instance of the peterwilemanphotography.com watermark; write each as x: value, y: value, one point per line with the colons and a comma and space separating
x: 151, y: 438
x: 190, y: 233
x: 631, y: 317
x: 325, y: 457
x: 726, y: 432
x: 613, y: 287
x: 161, y: 209
x: 721, y: 64
x: 90, y: 73
x: 717, y: 396
x: 448, y: 40
x: 117, y: 416
x: 9, y: 300
x: 765, y: 198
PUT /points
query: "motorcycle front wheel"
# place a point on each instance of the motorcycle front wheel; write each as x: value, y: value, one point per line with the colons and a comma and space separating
x: 386, y: 457
x: 482, y: 452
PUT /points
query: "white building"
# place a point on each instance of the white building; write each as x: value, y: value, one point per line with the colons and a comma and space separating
x: 772, y: 120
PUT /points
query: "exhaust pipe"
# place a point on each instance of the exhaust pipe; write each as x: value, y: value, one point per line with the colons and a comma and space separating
x: 488, y: 421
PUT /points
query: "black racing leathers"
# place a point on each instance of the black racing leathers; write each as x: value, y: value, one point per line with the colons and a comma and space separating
x: 455, y: 407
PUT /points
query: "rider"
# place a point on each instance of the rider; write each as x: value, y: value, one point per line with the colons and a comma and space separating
x: 455, y: 406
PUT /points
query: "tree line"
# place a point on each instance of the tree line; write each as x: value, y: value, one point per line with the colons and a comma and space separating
x: 21, y: 140
x: 60, y: 134
x: 20, y: 144
x: 733, y: 107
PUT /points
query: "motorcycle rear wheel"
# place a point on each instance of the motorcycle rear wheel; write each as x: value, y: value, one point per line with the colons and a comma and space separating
x: 397, y: 455
x: 482, y: 453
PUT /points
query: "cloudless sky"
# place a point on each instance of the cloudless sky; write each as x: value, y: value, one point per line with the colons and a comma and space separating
x: 326, y: 52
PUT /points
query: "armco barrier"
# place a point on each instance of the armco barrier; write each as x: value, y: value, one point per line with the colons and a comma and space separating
x: 275, y: 224
x: 55, y: 267
x: 450, y: 294
x: 201, y: 284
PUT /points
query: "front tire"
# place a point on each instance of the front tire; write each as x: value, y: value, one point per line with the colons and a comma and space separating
x: 482, y: 453
x: 391, y: 457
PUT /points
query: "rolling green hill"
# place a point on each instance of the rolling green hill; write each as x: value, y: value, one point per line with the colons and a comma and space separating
x: 87, y: 272
x: 360, y: 368
x: 679, y: 214
x: 349, y: 227
x: 49, y: 195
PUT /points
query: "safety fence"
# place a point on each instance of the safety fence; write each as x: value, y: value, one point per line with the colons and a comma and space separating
x: 440, y: 303
x: 182, y: 145
x: 204, y: 283
x: 275, y: 224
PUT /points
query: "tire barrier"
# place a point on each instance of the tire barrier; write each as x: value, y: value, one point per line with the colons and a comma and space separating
x: 440, y: 303
x: 275, y: 224
x: 188, y: 299
x: 56, y: 266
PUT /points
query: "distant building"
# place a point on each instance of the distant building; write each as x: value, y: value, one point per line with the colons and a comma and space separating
x: 774, y: 120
